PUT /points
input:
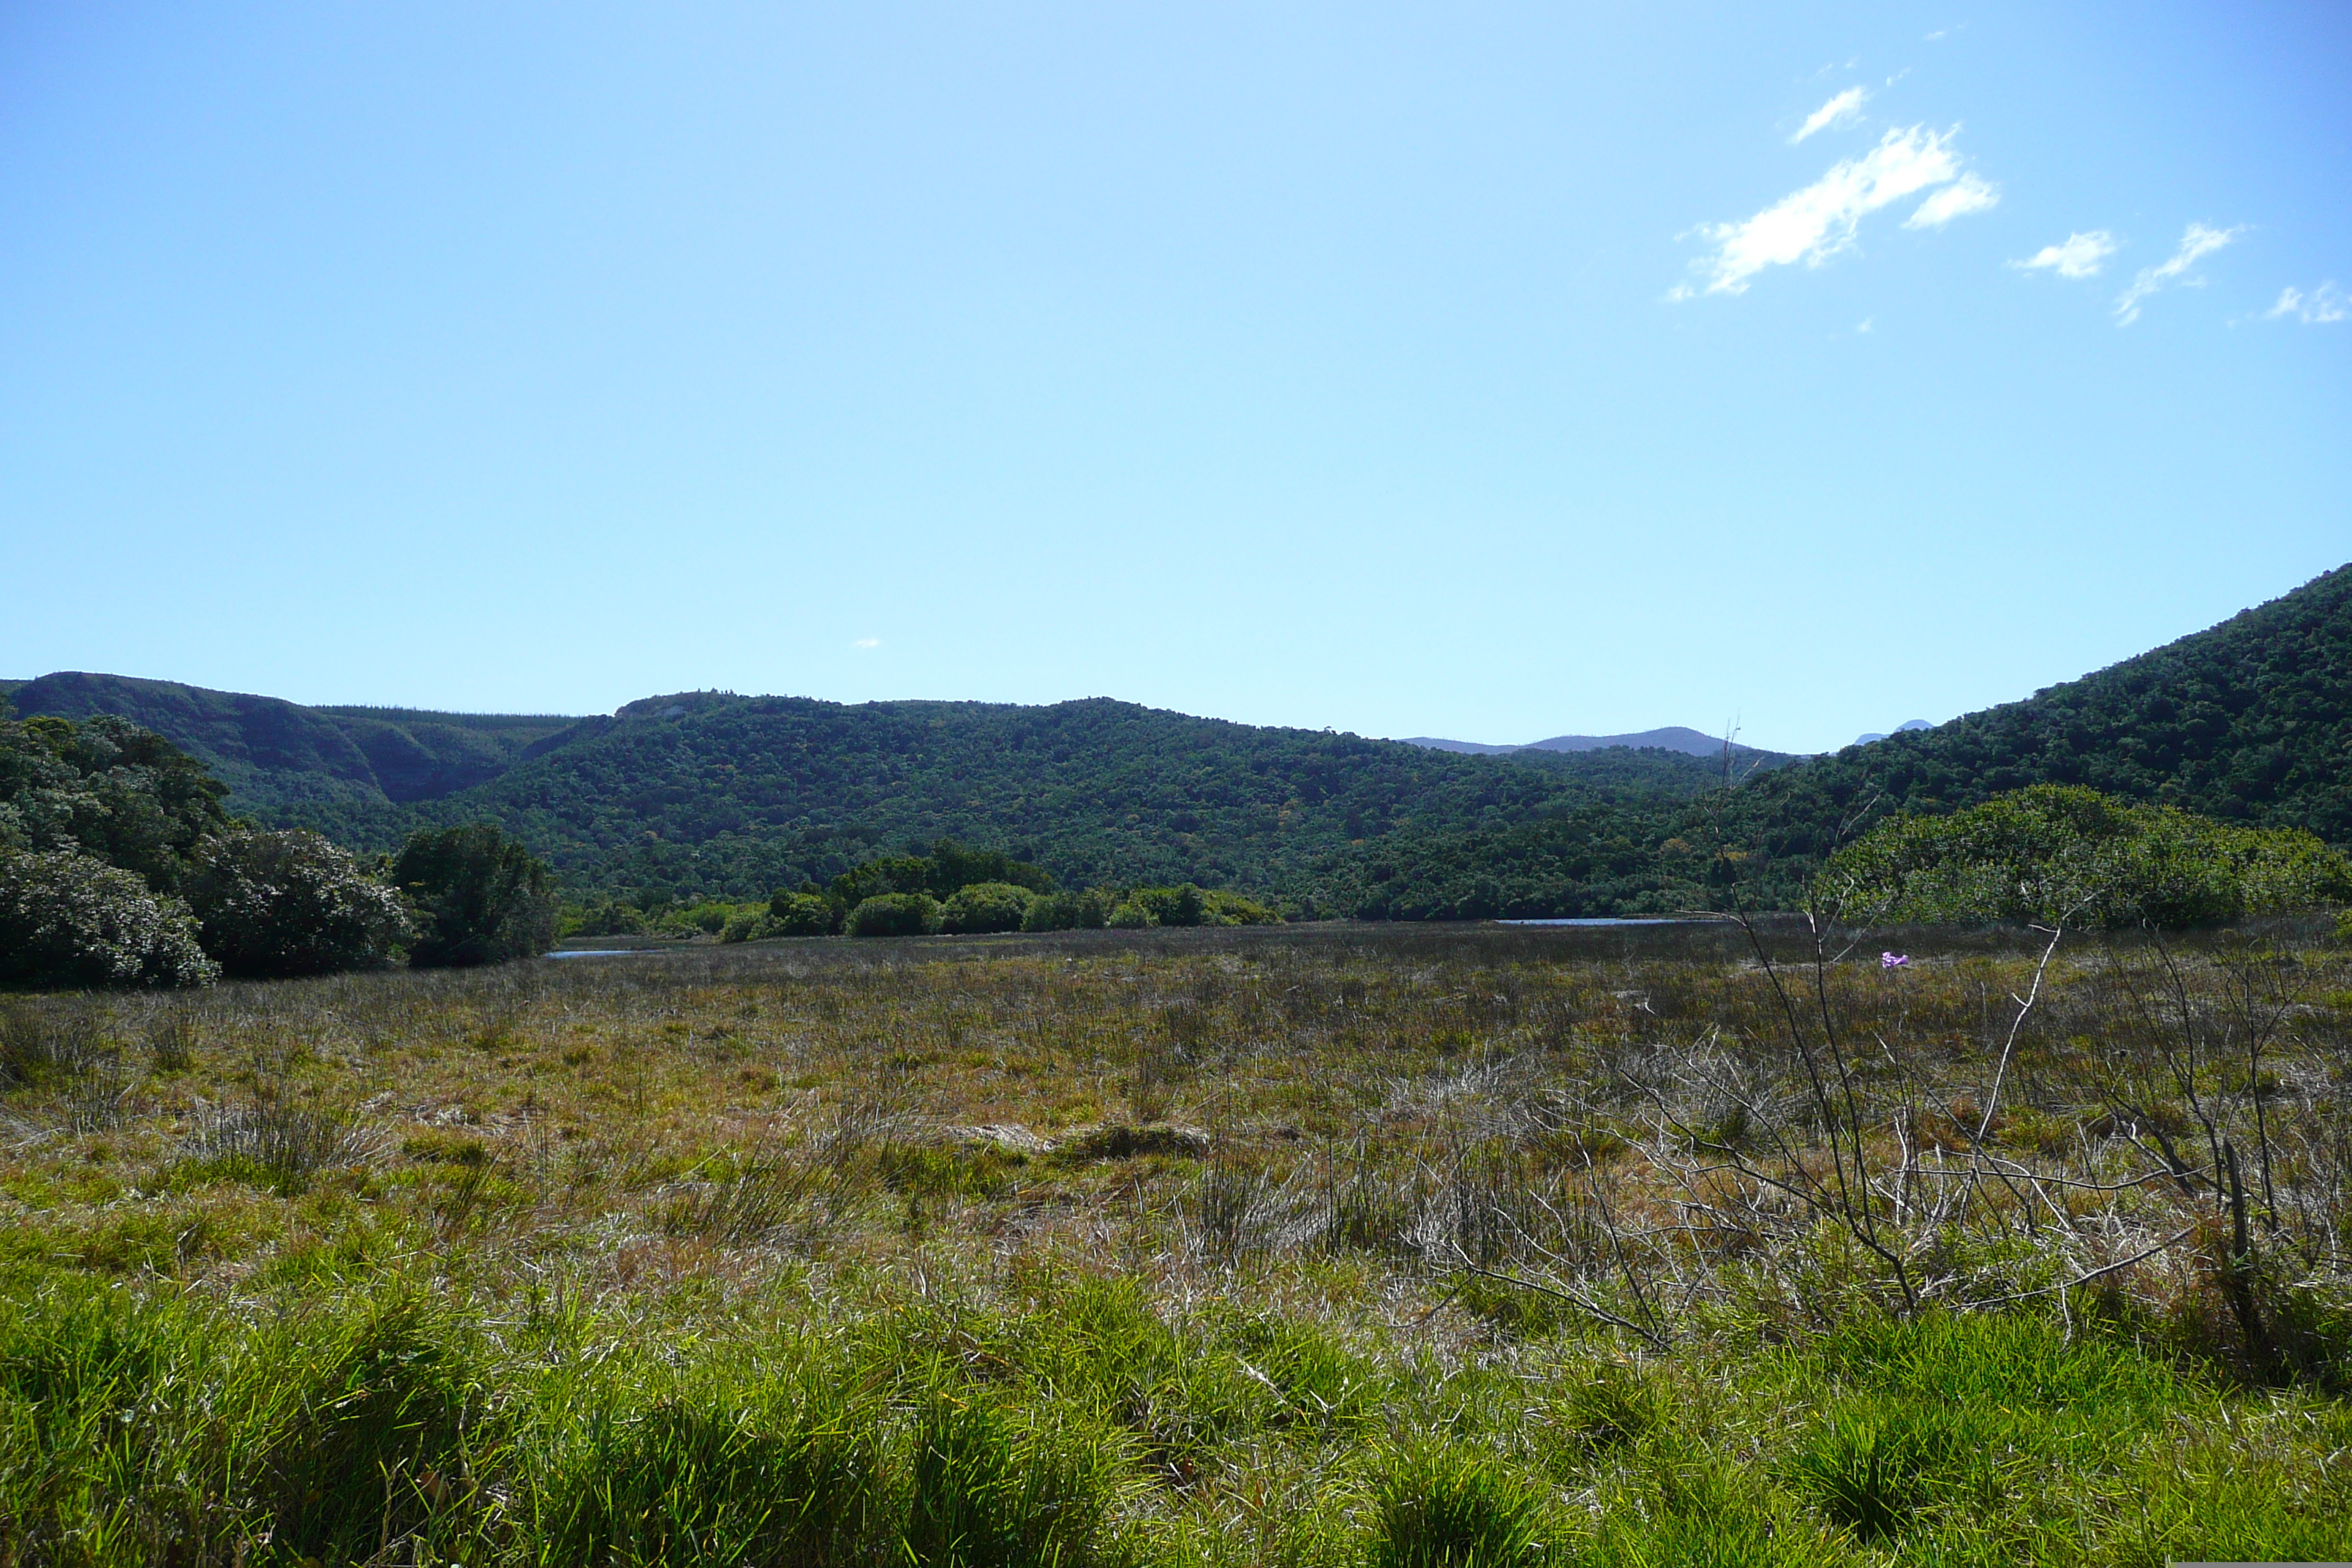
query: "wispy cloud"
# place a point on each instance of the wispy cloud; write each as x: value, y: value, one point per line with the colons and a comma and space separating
x: 1964, y: 196
x: 868, y: 642
x: 2079, y: 255
x: 1814, y: 224
x: 2199, y: 242
x: 2319, y: 307
x: 1843, y: 109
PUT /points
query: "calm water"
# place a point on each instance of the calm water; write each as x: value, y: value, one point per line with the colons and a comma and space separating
x: 1625, y: 920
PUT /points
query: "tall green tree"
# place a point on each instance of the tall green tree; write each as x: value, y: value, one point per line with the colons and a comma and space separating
x: 480, y: 897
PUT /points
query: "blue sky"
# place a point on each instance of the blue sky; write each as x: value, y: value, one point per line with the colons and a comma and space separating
x: 1482, y: 372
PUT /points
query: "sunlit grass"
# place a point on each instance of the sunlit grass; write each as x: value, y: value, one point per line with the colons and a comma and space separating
x: 1179, y: 1248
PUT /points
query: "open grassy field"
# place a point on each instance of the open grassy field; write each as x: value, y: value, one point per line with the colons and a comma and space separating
x: 1299, y: 1245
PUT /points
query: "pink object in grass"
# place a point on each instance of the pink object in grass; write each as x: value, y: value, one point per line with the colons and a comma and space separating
x: 1893, y: 961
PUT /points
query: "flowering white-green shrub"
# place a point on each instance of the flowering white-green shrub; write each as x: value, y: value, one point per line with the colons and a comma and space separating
x: 291, y: 904
x: 66, y: 919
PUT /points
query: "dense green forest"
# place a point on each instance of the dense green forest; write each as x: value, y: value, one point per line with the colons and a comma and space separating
x: 2250, y: 722
x: 713, y: 795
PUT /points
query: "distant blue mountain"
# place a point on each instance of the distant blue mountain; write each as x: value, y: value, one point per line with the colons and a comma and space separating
x: 1906, y: 724
x: 1674, y: 738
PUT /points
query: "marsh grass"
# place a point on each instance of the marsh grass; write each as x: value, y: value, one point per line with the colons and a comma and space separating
x: 1332, y: 1246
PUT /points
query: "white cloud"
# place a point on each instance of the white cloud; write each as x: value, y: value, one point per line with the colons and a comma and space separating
x: 1816, y: 222
x: 868, y: 642
x: 2321, y: 306
x: 2198, y: 243
x: 1964, y: 196
x: 1843, y: 109
x: 2081, y: 255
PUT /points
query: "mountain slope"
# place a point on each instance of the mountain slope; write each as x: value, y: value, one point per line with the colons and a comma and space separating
x: 2248, y: 721
x: 2251, y: 720
x: 1673, y: 737
x: 725, y: 794
x: 274, y: 754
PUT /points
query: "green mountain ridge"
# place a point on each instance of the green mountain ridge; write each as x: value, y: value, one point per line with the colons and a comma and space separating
x: 273, y: 753
x: 711, y: 793
x: 2248, y: 721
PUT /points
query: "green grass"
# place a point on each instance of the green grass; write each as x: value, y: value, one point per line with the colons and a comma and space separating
x: 971, y: 1255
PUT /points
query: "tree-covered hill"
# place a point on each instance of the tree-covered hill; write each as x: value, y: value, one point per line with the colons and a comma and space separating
x: 2249, y: 721
x: 734, y: 795
x: 273, y: 753
x: 714, y: 793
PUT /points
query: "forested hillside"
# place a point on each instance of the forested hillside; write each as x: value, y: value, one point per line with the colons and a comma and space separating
x: 2250, y: 721
x: 273, y: 753
x: 714, y: 793
x: 734, y: 795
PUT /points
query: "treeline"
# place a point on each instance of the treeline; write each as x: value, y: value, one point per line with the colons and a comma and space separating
x: 119, y: 865
x: 951, y: 888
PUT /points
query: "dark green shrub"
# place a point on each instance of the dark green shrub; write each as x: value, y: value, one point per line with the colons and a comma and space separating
x: 1177, y: 906
x: 985, y: 907
x: 290, y: 903
x: 1448, y: 1507
x: 1221, y: 908
x: 2062, y: 853
x: 606, y: 917
x: 68, y: 919
x: 1073, y: 911
x: 887, y: 874
x: 955, y: 865
x: 801, y: 914
x: 895, y: 914
x: 949, y: 868
x: 480, y: 897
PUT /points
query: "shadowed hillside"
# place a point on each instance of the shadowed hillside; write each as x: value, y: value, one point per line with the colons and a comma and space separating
x: 273, y: 753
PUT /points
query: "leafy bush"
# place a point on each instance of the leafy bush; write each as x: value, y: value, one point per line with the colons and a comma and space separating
x: 950, y: 867
x: 2060, y: 852
x: 985, y: 907
x: 480, y: 898
x: 1177, y: 906
x: 290, y: 903
x: 705, y: 917
x: 801, y: 914
x: 606, y: 917
x: 110, y: 789
x: 68, y: 919
x: 1130, y: 915
x: 1072, y: 910
x: 1219, y: 907
x: 895, y: 914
